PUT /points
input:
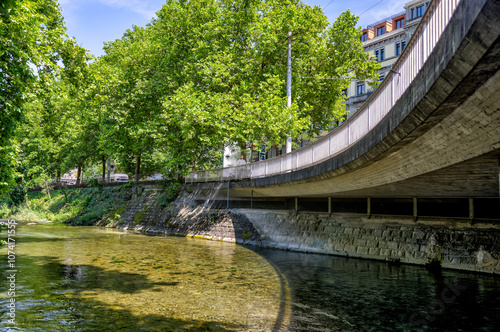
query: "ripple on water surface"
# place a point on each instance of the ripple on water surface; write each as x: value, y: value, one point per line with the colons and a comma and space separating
x: 90, y: 279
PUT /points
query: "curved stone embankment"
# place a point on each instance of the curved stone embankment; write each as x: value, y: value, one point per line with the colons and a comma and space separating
x: 151, y: 214
x: 448, y: 243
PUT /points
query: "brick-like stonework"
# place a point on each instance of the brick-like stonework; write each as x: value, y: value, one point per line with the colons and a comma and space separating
x: 452, y: 245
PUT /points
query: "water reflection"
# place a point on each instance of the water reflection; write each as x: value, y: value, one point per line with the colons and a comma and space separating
x: 341, y: 294
x: 90, y: 279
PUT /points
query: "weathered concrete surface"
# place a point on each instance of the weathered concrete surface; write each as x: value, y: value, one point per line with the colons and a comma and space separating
x: 446, y: 123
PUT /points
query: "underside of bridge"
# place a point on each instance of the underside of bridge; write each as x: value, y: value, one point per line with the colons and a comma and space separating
x: 441, y: 139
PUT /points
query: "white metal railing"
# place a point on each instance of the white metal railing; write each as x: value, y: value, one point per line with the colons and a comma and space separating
x: 404, y: 71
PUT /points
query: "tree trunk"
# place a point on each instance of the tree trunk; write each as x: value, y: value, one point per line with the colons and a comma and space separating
x: 78, y: 174
x: 47, y: 187
x: 58, y: 178
x: 137, y: 170
x: 103, y: 169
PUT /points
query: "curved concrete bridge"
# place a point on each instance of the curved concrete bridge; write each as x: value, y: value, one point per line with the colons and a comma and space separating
x: 431, y: 129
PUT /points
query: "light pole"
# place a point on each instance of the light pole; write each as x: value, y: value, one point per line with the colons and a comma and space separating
x: 289, y: 87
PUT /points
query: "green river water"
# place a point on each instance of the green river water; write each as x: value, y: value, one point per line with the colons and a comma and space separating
x: 95, y: 279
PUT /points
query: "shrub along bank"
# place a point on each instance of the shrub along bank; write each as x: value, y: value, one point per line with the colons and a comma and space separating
x: 84, y: 206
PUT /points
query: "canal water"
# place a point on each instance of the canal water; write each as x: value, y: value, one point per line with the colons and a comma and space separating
x: 93, y: 279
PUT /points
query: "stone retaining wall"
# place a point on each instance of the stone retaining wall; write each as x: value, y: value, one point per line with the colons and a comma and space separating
x: 149, y: 213
x: 448, y: 243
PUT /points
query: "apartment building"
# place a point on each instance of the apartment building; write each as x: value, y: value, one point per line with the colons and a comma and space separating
x: 385, y: 40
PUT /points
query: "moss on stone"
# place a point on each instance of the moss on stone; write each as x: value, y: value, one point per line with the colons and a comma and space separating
x: 139, y: 216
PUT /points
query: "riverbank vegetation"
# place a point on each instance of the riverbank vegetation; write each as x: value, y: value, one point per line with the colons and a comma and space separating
x: 84, y: 206
x: 167, y: 97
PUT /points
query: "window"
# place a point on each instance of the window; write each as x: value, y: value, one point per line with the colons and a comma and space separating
x: 364, y: 37
x: 381, y: 77
x: 400, y: 23
x: 360, y: 89
x: 412, y: 13
x: 380, y: 31
x: 380, y: 54
x: 398, y: 49
x: 344, y: 92
x: 420, y: 11
x: 403, y: 45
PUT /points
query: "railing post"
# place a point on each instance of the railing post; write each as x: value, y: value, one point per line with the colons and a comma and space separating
x: 368, y: 206
x: 251, y: 201
x: 471, y: 208
x: 228, y: 193
x: 415, y: 211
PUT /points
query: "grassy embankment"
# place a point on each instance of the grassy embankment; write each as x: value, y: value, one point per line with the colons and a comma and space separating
x: 85, y: 206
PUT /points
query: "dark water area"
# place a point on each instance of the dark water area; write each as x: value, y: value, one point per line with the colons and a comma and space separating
x: 341, y: 294
x: 93, y: 279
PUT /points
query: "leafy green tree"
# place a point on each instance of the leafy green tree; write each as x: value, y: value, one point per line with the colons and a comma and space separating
x: 31, y: 40
x: 221, y: 66
x: 207, y: 73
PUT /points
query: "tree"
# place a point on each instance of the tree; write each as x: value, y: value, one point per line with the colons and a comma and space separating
x: 207, y: 73
x: 31, y: 34
x: 221, y: 69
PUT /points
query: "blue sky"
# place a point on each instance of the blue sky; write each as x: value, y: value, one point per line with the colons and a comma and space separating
x: 93, y: 22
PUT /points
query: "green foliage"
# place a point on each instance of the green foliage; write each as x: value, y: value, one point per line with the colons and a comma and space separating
x: 83, y: 206
x: 115, y: 217
x: 93, y: 183
x: 205, y: 74
x: 168, y: 96
x: 32, y: 42
x: 139, y: 217
x: 246, y: 235
x: 5, y: 211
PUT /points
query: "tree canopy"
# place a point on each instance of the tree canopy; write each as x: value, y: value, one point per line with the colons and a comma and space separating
x: 201, y: 75
x: 207, y: 73
x: 32, y: 43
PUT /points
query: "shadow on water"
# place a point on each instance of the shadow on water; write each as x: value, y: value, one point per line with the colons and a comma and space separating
x: 331, y: 293
x: 54, y: 296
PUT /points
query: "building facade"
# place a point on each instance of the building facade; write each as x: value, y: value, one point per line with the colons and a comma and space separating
x: 385, y: 40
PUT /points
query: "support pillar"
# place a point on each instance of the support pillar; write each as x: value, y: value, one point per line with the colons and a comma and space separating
x: 296, y: 204
x: 329, y: 205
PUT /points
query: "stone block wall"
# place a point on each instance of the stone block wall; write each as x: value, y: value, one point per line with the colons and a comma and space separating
x: 447, y: 243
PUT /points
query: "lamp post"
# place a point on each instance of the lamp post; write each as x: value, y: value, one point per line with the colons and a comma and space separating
x: 289, y: 87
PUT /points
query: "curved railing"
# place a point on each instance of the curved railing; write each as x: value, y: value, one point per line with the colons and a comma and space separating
x: 404, y: 71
